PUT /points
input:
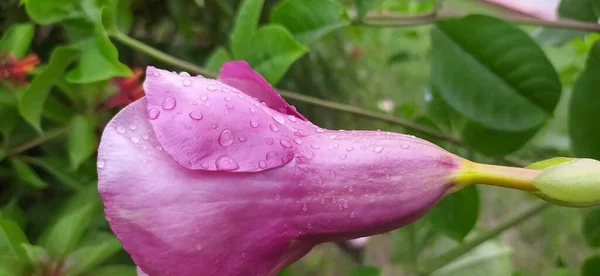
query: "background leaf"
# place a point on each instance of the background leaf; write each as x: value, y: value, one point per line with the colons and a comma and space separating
x: 591, y: 266
x: 11, y: 238
x: 114, y: 270
x: 456, y: 215
x: 245, y: 25
x: 364, y: 6
x: 216, y: 59
x: 17, y: 39
x: 82, y: 139
x: 309, y: 20
x: 591, y: 228
x: 99, y: 250
x: 505, y: 82
x: 47, y: 12
x: 28, y: 175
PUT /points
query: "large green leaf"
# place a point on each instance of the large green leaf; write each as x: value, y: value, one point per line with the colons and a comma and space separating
x: 364, y: 6
x: 216, y: 59
x: 48, y: 12
x: 11, y: 238
x: 591, y: 228
x: 493, y: 73
x: 584, y: 128
x: 591, y: 266
x: 271, y: 51
x: 8, y: 111
x: 82, y: 139
x: 114, y: 270
x: 16, y: 39
x: 32, y: 101
x: 10, y: 266
x: 582, y: 10
x: 495, y: 143
x: 310, y: 19
x: 64, y: 234
x: 490, y: 259
x: 56, y: 169
x: 87, y: 257
x: 456, y: 215
x: 246, y: 23
x: 28, y: 175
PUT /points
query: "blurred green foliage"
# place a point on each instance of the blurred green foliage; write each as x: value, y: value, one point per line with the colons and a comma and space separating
x: 480, y: 86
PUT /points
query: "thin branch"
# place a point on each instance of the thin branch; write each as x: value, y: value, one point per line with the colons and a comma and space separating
x: 467, y: 246
x: 36, y: 141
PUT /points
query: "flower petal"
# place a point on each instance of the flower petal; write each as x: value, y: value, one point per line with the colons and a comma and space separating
x: 175, y: 221
x: 206, y: 125
x: 240, y: 75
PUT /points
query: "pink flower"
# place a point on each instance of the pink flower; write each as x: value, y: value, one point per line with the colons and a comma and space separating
x: 223, y: 177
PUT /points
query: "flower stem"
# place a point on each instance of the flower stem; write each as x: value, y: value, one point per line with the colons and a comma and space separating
x: 507, y: 177
x: 468, y: 245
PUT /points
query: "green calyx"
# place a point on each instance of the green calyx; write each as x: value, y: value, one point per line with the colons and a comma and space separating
x: 570, y: 182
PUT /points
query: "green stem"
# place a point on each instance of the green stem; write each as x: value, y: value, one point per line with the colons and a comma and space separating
x: 467, y: 246
x: 36, y: 141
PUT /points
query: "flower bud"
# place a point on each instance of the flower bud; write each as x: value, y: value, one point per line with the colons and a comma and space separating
x: 573, y: 182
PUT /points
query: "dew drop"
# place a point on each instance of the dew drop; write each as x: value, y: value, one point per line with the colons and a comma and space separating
x: 169, y: 103
x: 204, y: 166
x: 345, y: 204
x: 322, y: 201
x: 184, y: 74
x: 145, y: 161
x: 187, y: 126
x: 319, y: 180
x: 270, y: 141
x: 153, y: 113
x: 145, y: 136
x: 285, y: 143
x: 158, y: 148
x: 292, y: 118
x: 343, y: 156
x: 132, y: 127
x: 120, y: 129
x: 304, y: 207
x: 254, y: 123
x: 194, y: 103
x: 332, y: 137
x: 156, y: 73
x: 278, y: 118
x: 350, y: 189
x: 332, y: 174
x: 336, y: 145
x: 196, y: 115
x: 273, y: 127
x: 298, y: 141
x: 226, y: 163
x: 300, y: 183
x: 352, y: 215
x: 242, y: 139
x: 211, y: 88
x: 101, y: 163
x: 135, y: 140
x: 203, y: 98
x: 214, y: 125
x: 319, y: 130
x: 262, y: 164
x: 404, y: 146
x: 225, y: 89
x: 388, y: 177
x: 239, y: 95
x: 271, y: 155
x: 225, y: 138
x: 252, y: 109
x: 229, y: 105
x: 186, y: 82
x: 377, y: 149
x: 363, y: 147
x: 315, y: 146
x: 207, y: 104
x: 349, y: 149
x: 309, y: 226
x: 227, y: 98
x: 277, y: 197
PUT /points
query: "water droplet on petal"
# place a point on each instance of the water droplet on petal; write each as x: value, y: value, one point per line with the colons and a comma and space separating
x: 214, y: 125
x: 304, y: 207
x: 158, y: 148
x: 285, y: 143
x: 153, y: 113
x: 273, y: 127
x: 298, y: 141
x: 204, y: 166
x: 319, y: 180
x: 352, y: 215
x: 194, y: 103
x: 227, y: 98
x: 225, y: 138
x: 240, y: 96
x: 388, y: 177
x: 291, y: 118
x: 332, y: 174
x: 196, y: 115
x: 315, y: 146
x: 277, y: 197
x: 203, y: 98
x: 121, y: 129
x: 336, y: 145
x: 350, y: 189
x: 101, y: 163
x: 363, y: 147
x: 278, y: 118
x: 242, y: 139
x: 254, y: 123
x: 377, y: 149
x: 225, y: 89
x: 322, y: 201
x: 343, y: 156
x: 145, y: 136
x: 332, y: 137
x: 405, y: 146
x: 271, y: 155
x: 169, y: 103
x: 345, y: 205
x: 300, y: 183
x: 319, y: 130
x: 226, y: 163
x: 229, y: 105
x: 270, y: 141
x: 309, y: 226
x: 135, y: 140
x: 156, y: 73
x: 252, y: 109
x: 184, y: 74
x: 262, y: 164
x: 132, y: 127
x: 349, y: 149
x: 145, y: 161
x: 211, y: 88
x: 207, y: 104
x: 186, y: 82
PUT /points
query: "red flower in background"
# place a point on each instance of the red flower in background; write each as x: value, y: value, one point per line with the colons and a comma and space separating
x: 130, y: 90
x: 15, y: 69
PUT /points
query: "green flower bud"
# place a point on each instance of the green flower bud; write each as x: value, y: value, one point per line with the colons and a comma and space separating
x: 573, y: 182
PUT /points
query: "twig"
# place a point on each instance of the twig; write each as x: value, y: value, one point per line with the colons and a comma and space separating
x: 36, y: 141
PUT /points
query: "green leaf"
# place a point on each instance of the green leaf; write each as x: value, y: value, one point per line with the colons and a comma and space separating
x: 32, y: 101
x: 56, y: 170
x: 310, y: 19
x: 582, y: 10
x: 28, y: 175
x: 16, y: 39
x: 118, y: 16
x: 273, y: 50
x: 11, y: 266
x: 66, y: 231
x: 87, y: 257
x: 114, y: 270
x: 46, y: 12
x: 8, y: 111
x: 591, y: 266
x: 591, y: 228
x: 490, y: 259
x: 82, y: 139
x: 11, y: 238
x: 37, y: 256
x: 364, y: 6
x: 216, y: 59
x: 365, y: 271
x: 246, y: 23
x: 493, y: 142
x: 505, y: 81
x: 456, y: 215
x: 584, y: 131
x: 2, y: 154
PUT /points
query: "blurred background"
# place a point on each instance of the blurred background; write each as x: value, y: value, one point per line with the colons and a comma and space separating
x: 67, y: 66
